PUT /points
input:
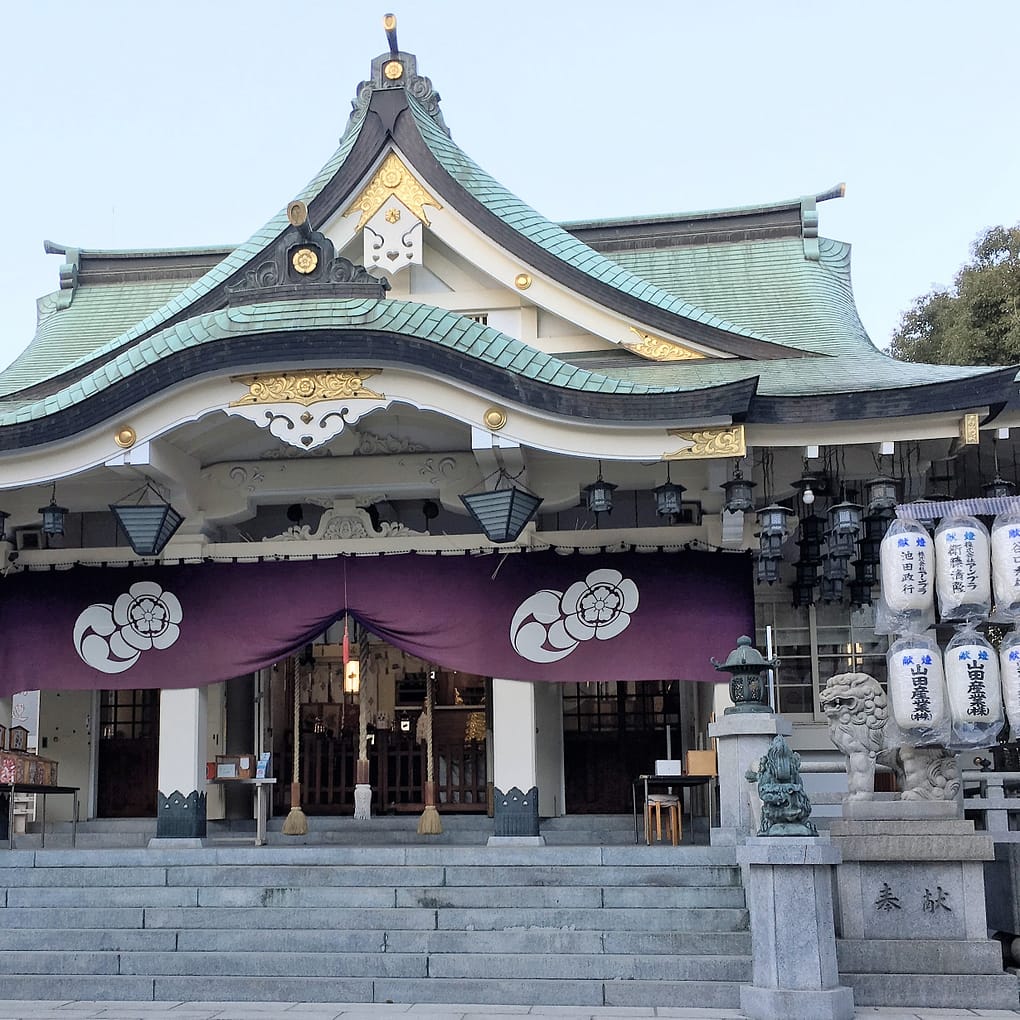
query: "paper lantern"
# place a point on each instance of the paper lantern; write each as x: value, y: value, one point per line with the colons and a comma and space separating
x: 975, y: 693
x: 963, y: 580
x: 1009, y: 676
x: 917, y: 690
x: 1006, y: 563
x: 907, y: 562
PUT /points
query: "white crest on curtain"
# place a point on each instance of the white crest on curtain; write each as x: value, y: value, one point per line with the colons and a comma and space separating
x: 549, y: 625
x: 112, y: 638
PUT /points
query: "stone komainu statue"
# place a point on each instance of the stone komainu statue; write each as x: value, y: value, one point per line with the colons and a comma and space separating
x: 858, y: 710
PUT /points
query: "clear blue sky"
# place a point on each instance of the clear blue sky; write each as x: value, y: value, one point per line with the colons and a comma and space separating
x: 147, y: 125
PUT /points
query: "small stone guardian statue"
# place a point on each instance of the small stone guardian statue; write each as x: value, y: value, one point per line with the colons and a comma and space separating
x: 784, y: 804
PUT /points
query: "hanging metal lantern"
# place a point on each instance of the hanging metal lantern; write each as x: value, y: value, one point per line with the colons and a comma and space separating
x: 844, y: 519
x: 810, y: 550
x: 772, y: 519
x: 599, y: 495
x: 771, y: 546
x: 882, y: 493
x: 835, y: 567
x: 997, y: 488
x: 832, y: 589
x: 807, y: 573
x: 803, y: 594
x: 877, y: 524
x: 768, y: 569
x: 53, y: 515
x: 502, y: 513
x: 867, y: 571
x: 668, y: 497
x: 811, y: 529
x: 739, y: 493
x: 148, y: 527
x: 871, y: 550
x: 3, y: 525
x: 860, y: 593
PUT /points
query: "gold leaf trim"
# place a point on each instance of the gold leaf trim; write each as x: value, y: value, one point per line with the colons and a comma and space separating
x: 709, y: 443
x: 970, y: 432
x: 392, y: 178
x: 655, y: 348
x: 307, y: 388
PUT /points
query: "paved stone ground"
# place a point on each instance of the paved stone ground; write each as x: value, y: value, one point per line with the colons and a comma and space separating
x: 58, y: 1009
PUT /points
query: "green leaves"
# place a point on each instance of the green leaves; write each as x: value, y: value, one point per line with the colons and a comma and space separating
x: 976, y: 321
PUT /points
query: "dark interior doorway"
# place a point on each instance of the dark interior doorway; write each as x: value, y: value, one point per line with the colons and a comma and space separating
x: 613, y: 732
x: 128, y: 754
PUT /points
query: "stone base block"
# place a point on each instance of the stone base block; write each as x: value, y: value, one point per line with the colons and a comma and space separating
x: 516, y: 841
x: 788, y: 1004
x: 176, y: 843
x: 916, y: 956
x: 961, y: 991
x: 900, y: 810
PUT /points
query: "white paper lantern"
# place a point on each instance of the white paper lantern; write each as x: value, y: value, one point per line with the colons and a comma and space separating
x: 1009, y: 673
x: 907, y: 559
x: 975, y: 694
x: 963, y: 569
x: 917, y: 690
x: 1006, y: 563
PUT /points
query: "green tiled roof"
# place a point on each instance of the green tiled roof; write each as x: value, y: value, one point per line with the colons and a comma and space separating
x: 447, y: 329
x: 41, y: 368
x: 66, y: 336
x: 868, y: 369
x: 554, y: 239
x: 790, y: 299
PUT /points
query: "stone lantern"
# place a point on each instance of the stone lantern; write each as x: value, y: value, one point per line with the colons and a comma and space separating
x: 748, y: 683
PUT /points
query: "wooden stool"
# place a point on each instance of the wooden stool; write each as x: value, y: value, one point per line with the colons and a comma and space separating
x: 674, y: 821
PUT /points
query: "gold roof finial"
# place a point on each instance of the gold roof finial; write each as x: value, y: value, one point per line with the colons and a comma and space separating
x: 389, y: 23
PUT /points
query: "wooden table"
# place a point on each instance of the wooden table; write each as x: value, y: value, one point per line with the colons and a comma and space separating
x: 261, y: 802
x: 12, y: 788
x: 680, y: 782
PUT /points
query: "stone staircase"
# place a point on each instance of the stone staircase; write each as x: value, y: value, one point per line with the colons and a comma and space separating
x: 556, y: 925
x: 324, y: 830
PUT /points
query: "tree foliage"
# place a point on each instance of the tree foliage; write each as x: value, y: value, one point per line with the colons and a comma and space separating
x: 977, y: 320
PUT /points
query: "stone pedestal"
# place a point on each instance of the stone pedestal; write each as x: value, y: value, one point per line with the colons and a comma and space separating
x: 741, y: 740
x: 911, y: 908
x: 793, y: 943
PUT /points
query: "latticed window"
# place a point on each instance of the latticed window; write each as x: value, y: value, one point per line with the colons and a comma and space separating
x: 128, y: 715
x: 814, y: 643
x: 619, y: 706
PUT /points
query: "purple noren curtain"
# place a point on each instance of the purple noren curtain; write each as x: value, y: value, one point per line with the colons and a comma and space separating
x: 526, y: 616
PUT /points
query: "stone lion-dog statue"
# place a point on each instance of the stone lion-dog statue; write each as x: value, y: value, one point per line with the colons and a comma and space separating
x: 857, y: 709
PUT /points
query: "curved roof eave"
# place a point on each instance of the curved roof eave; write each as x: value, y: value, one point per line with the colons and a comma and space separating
x: 386, y: 333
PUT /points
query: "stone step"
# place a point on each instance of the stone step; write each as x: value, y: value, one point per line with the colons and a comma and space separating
x: 529, y: 967
x: 300, y: 897
x: 422, y: 918
x: 492, y: 966
x: 650, y: 858
x: 935, y: 991
x: 68, y: 939
x: 941, y: 956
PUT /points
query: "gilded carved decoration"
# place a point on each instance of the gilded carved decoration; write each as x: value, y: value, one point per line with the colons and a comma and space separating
x: 282, y: 404
x: 705, y: 444
x: 970, y: 432
x: 392, y: 179
x: 308, y: 388
x: 655, y: 348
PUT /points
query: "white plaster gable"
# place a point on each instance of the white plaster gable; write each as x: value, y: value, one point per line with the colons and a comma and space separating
x: 471, y: 263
